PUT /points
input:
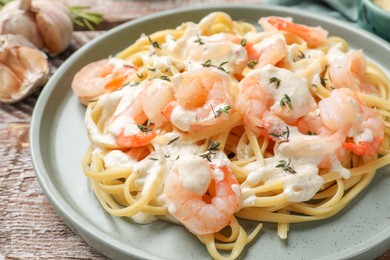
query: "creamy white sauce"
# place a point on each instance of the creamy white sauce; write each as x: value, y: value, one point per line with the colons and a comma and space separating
x: 335, y: 53
x: 124, y: 123
x: 302, y: 153
x: 183, y: 118
x: 219, y: 160
x: 195, y: 50
x: 109, y: 103
x: 301, y: 100
x: 194, y: 173
x: 118, y: 159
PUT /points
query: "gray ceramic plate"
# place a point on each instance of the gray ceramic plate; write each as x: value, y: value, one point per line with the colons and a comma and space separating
x: 59, y: 141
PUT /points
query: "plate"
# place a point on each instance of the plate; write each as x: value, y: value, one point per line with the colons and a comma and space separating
x: 59, y: 140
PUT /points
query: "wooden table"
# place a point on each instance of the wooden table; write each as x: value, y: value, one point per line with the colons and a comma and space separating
x: 29, y: 227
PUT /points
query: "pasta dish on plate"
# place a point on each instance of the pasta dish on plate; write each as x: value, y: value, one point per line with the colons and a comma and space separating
x: 218, y: 121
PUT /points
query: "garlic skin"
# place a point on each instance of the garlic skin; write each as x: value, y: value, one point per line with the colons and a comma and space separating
x: 15, y: 20
x: 47, y: 24
x: 54, y: 24
x: 23, y: 68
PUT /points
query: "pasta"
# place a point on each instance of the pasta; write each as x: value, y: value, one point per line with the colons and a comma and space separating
x: 213, y: 122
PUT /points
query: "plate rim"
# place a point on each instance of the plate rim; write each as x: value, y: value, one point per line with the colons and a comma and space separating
x: 72, y: 218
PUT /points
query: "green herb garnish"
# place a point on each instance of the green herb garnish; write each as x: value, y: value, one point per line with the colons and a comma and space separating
x: 252, y: 64
x: 173, y: 140
x: 199, y: 40
x: 285, y: 101
x: 243, y: 42
x: 155, y: 44
x: 83, y: 18
x: 274, y: 79
x: 286, y: 166
x: 212, y: 148
x: 285, y: 134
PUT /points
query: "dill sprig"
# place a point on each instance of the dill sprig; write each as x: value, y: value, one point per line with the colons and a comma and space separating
x: 83, y: 18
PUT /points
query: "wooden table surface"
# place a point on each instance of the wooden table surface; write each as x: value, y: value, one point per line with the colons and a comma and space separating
x: 29, y: 227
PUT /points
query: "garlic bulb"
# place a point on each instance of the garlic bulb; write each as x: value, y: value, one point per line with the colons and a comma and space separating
x: 47, y: 24
x: 23, y: 68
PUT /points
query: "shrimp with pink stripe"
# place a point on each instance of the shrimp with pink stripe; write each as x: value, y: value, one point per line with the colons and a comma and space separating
x: 138, y: 111
x: 313, y: 36
x: 203, y: 99
x: 202, y: 195
x: 100, y: 77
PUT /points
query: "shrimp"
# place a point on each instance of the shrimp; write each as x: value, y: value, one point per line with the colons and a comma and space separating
x: 343, y: 110
x: 268, y: 51
x: 100, y: 77
x: 202, y: 99
x: 313, y: 36
x: 139, y: 105
x: 203, y: 196
x: 221, y: 50
x: 273, y: 89
x: 325, y: 150
x: 348, y: 72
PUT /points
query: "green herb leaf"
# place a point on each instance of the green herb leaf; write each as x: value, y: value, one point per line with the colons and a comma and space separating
x: 173, y: 140
x: 155, y: 44
x: 243, y: 42
x: 199, y: 40
x: 301, y: 55
x: 274, y: 79
x: 285, y: 134
x: 83, y: 18
x: 323, y: 81
x: 212, y: 147
x: 207, y: 63
x: 286, y: 101
x: 4, y: 2
x: 220, y: 67
x: 252, y: 64
x: 145, y: 128
x: 165, y: 77
x: 311, y: 133
x: 286, y: 166
x: 219, y: 112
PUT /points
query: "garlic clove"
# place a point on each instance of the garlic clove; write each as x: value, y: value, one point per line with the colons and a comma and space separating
x: 21, y: 22
x: 9, y: 82
x: 23, y: 69
x: 54, y: 24
x: 32, y: 60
